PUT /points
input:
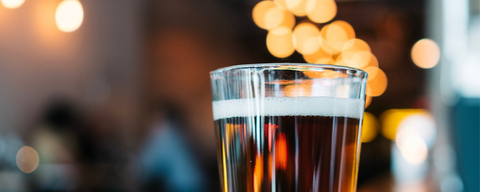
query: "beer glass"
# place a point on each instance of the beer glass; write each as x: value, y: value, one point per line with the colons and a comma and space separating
x: 288, y: 127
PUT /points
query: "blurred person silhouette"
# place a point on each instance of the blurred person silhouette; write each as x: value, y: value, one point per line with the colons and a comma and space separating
x: 167, y: 161
x: 78, y: 151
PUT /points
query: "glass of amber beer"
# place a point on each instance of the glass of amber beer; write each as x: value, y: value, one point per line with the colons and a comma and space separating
x: 288, y: 127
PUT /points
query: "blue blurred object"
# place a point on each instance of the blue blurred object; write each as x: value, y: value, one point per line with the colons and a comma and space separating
x: 465, y: 126
x: 166, y: 161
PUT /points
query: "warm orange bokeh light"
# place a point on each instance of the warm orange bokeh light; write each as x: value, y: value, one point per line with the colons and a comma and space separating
x: 267, y: 15
x: 323, y: 40
x: 377, y: 81
x: 279, y: 42
x: 305, y: 38
x: 321, y: 11
x: 281, y: 152
x: 297, y: 7
x: 356, y: 45
x: 319, y: 57
x: 368, y: 100
x: 288, y: 20
x: 360, y: 59
x: 373, y: 62
x: 281, y: 3
x: 338, y: 33
x: 274, y: 17
x: 425, y: 53
x: 258, y: 173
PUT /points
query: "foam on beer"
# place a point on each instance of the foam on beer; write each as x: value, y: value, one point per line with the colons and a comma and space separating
x: 288, y: 106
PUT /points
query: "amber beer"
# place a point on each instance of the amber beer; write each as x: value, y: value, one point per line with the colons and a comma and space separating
x: 288, y: 144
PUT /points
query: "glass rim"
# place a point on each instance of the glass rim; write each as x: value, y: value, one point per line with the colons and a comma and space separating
x: 291, y: 66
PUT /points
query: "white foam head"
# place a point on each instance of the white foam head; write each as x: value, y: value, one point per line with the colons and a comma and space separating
x: 288, y: 106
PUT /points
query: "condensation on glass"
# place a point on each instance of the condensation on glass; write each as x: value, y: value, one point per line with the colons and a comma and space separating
x: 288, y: 127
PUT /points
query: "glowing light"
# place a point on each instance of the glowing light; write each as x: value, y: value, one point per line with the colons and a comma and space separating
x: 373, y: 62
x: 369, y: 128
x: 297, y: 7
x: 288, y: 20
x: 305, y: 38
x: 411, y: 145
x: 323, y: 40
x: 319, y: 57
x: 377, y: 81
x: 274, y: 17
x: 69, y: 15
x: 281, y: 3
x: 321, y: 11
x: 356, y: 45
x: 12, y: 4
x: 258, y: 173
x: 338, y: 33
x: 279, y: 42
x: 267, y: 15
x: 425, y: 53
x: 281, y: 152
x: 368, y: 100
x: 392, y: 118
x: 27, y: 159
x: 359, y: 60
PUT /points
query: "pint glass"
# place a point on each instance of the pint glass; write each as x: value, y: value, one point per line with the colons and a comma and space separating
x: 288, y: 127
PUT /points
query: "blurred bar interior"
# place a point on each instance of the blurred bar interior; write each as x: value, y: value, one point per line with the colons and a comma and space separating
x: 114, y: 95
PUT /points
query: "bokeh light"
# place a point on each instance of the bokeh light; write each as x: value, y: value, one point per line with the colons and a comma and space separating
x: 338, y: 33
x: 27, y: 159
x: 305, y: 38
x: 372, y: 63
x: 412, y: 146
x: 274, y: 17
x: 368, y: 100
x: 319, y: 57
x: 377, y: 81
x: 392, y: 118
x: 267, y: 15
x: 279, y: 42
x: 323, y: 40
x: 281, y: 3
x: 321, y: 11
x: 288, y: 20
x: 425, y: 53
x: 69, y: 15
x: 369, y: 128
x: 356, y: 45
x: 297, y: 7
x: 12, y: 4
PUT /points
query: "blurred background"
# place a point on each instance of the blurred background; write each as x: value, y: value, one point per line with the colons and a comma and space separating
x: 114, y: 95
